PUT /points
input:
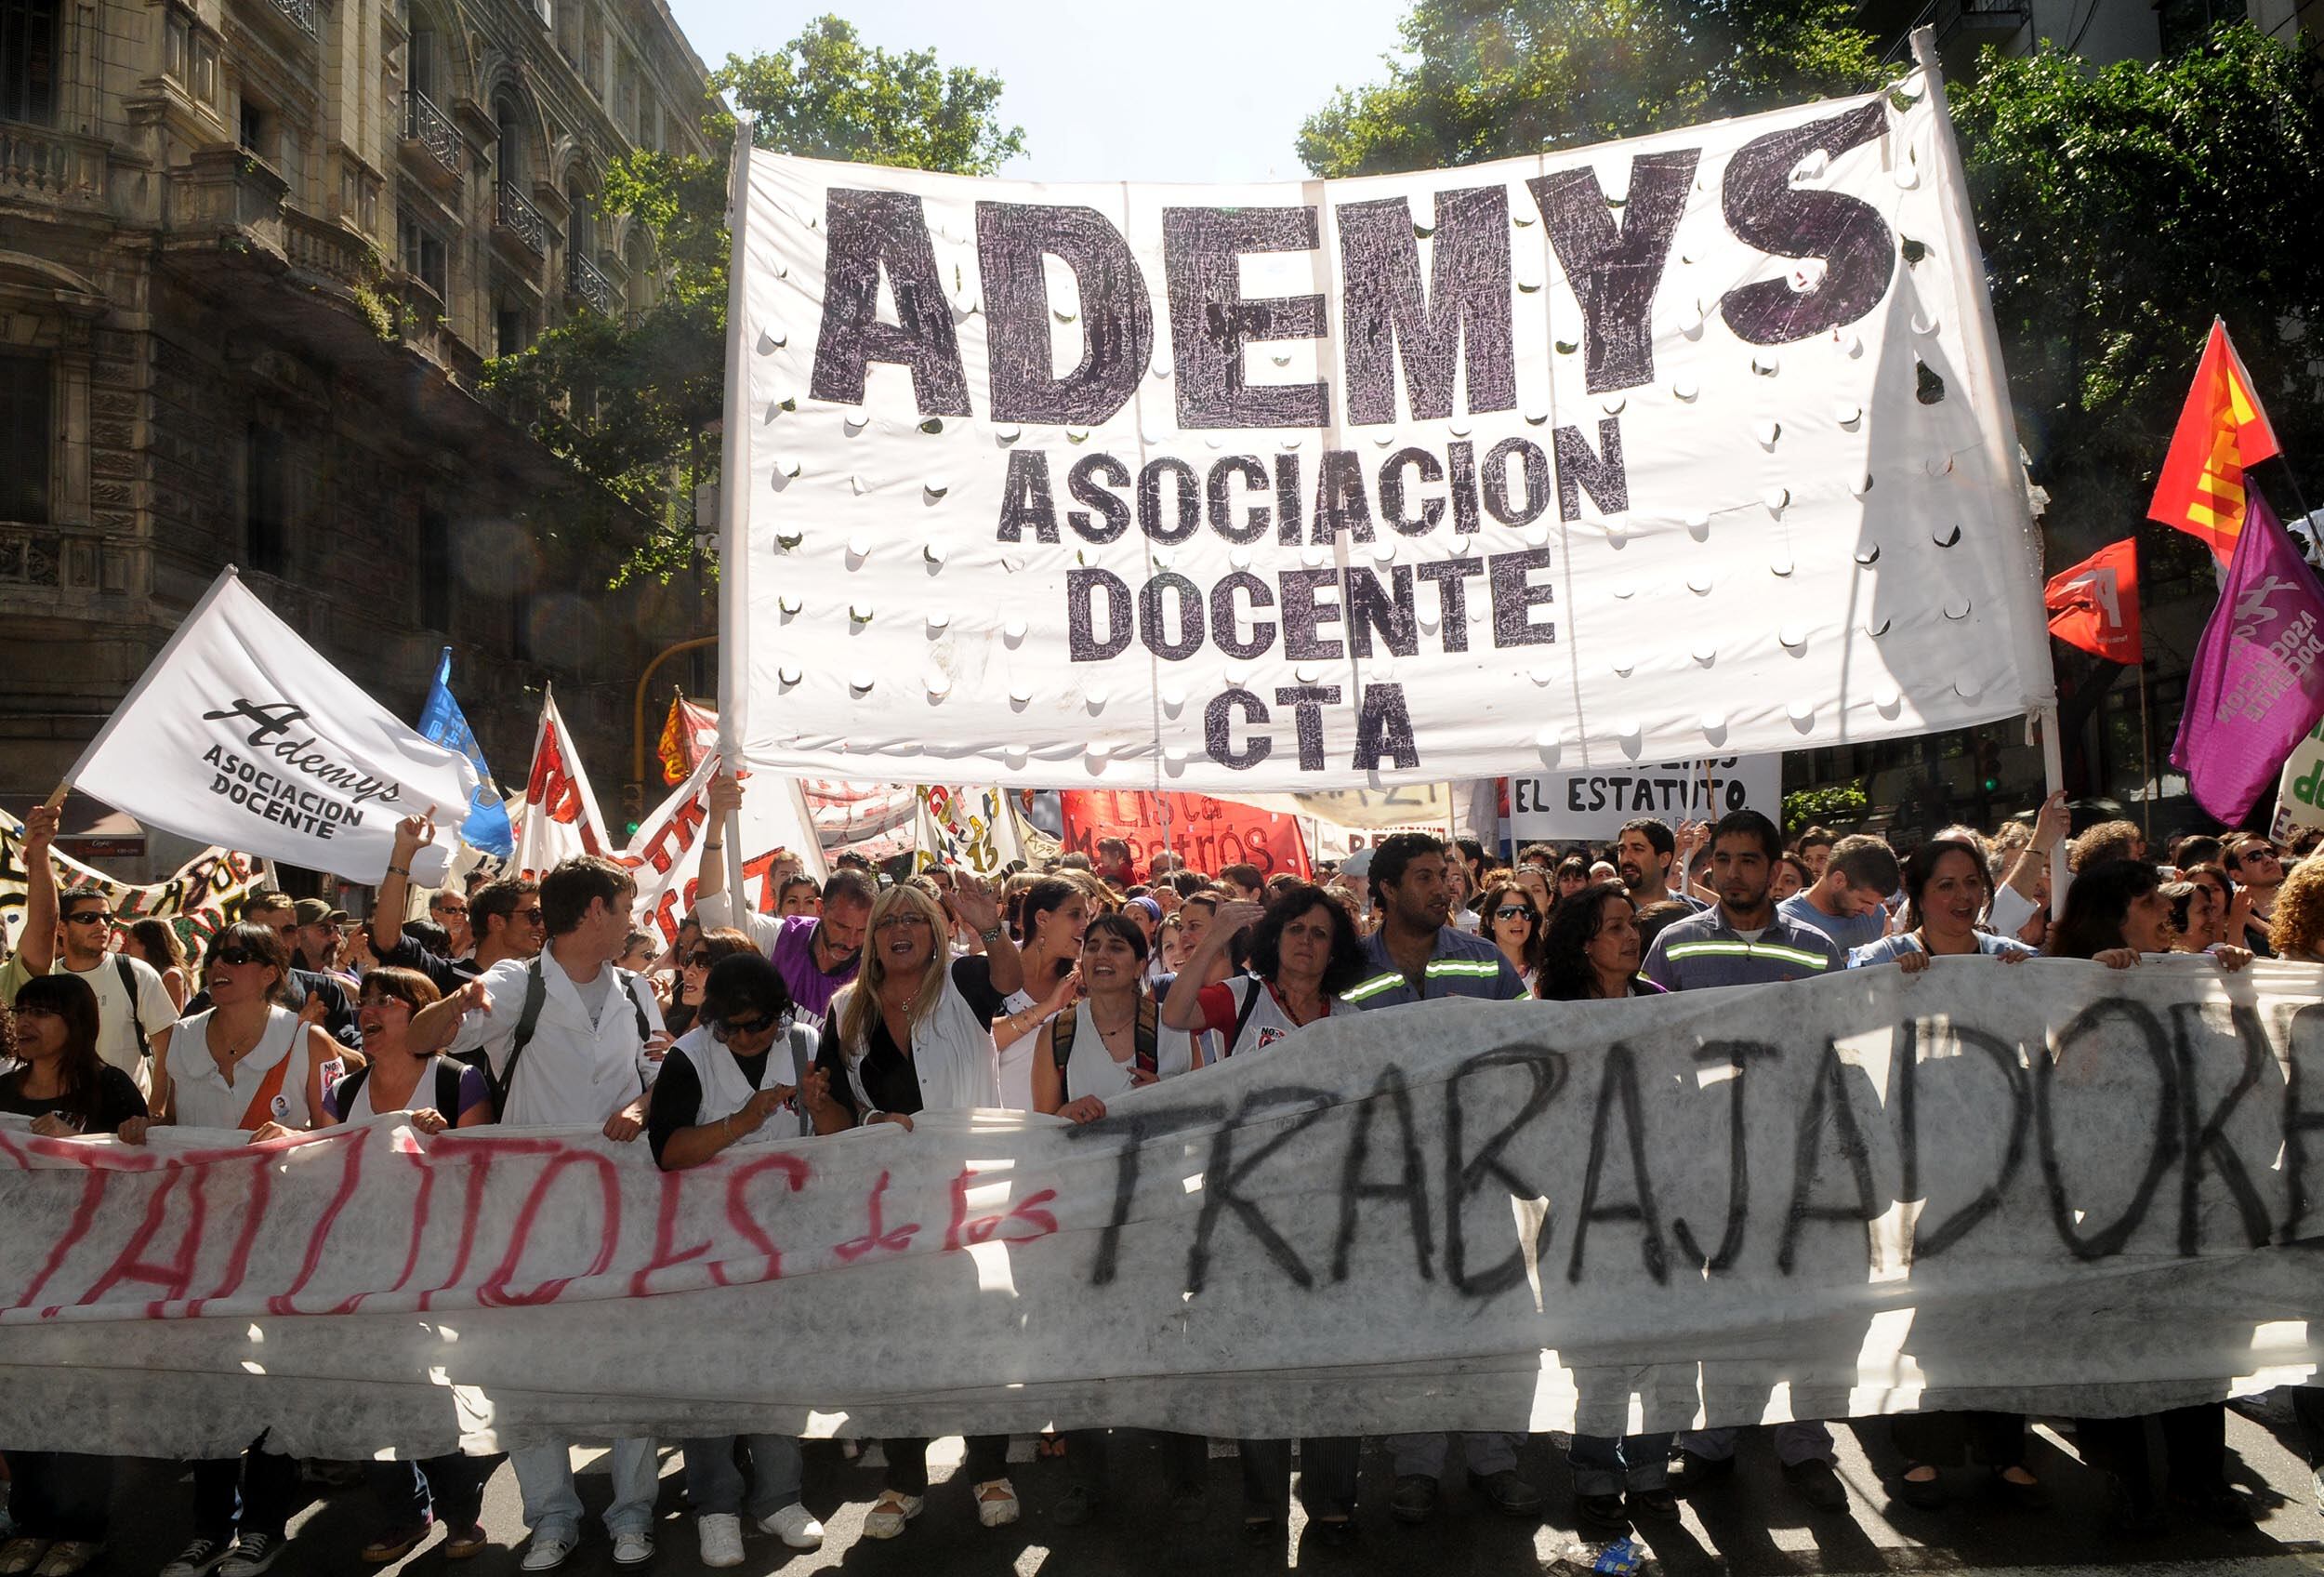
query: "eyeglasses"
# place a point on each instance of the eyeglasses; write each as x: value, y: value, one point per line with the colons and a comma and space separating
x: 1512, y: 911
x: 454, y: 907
x: 698, y: 960
x: 726, y: 1028
x: 531, y: 916
x: 380, y: 1000
x: 891, y: 922
x: 236, y: 956
x: 36, y: 1010
x: 98, y: 916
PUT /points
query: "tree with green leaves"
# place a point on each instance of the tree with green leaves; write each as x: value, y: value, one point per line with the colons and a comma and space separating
x: 1488, y: 79
x: 627, y: 400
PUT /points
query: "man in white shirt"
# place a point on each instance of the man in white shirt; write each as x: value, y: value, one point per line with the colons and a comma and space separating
x: 566, y: 1035
x: 132, y: 1004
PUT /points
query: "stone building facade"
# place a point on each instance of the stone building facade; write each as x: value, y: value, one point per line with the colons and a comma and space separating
x: 253, y: 255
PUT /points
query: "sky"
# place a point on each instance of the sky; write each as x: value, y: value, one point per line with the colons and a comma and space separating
x: 1180, y: 90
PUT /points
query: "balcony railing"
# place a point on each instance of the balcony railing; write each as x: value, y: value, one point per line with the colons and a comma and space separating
x: 431, y: 128
x: 301, y: 13
x: 523, y: 221
x: 584, y: 280
x: 1987, y: 18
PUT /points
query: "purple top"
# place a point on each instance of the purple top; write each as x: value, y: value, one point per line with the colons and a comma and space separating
x: 794, y: 955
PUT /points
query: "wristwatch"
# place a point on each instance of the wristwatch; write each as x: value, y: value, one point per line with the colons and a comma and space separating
x: 990, y: 937
x: 398, y: 871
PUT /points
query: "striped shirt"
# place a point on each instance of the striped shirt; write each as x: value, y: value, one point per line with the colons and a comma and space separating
x: 1461, y: 965
x: 1703, y: 950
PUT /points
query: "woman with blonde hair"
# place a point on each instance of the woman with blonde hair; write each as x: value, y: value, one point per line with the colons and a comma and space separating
x: 914, y: 1033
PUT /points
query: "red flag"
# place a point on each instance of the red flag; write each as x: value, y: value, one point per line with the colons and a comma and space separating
x: 2222, y: 430
x: 2094, y: 605
x: 1209, y: 833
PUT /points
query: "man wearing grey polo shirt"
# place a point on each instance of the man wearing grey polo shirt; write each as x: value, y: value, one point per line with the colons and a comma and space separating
x: 1416, y: 957
x: 1745, y: 942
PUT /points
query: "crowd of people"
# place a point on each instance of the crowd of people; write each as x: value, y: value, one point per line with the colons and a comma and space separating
x: 867, y: 1001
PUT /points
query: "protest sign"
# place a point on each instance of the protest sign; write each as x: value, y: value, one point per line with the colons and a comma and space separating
x: 240, y: 735
x: 1208, y: 834
x: 1688, y: 444
x: 666, y: 855
x: 2051, y: 1188
x: 975, y: 830
x: 1594, y: 804
x: 197, y: 898
x: 2300, y: 787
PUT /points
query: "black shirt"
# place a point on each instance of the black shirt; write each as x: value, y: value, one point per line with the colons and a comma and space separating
x: 117, y: 1100
x: 410, y: 952
x: 338, y: 1014
x: 889, y: 1077
x: 678, y: 1094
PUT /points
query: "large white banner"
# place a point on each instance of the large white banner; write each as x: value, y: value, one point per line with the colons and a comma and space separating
x: 1690, y: 445
x: 2048, y: 1187
x: 1596, y: 804
x: 240, y: 735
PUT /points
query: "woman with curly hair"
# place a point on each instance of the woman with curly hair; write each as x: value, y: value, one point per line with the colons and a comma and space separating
x: 1591, y: 948
x: 2296, y: 929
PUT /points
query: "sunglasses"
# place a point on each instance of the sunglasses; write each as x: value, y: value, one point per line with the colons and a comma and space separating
x: 726, y: 1028
x: 237, y: 957
x: 452, y: 909
x: 1512, y: 911
x: 98, y: 918
x: 894, y: 920
x: 698, y: 960
x: 531, y: 916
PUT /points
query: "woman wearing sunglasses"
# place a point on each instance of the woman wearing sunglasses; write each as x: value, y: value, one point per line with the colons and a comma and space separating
x: 693, y: 970
x: 59, y: 1498
x: 738, y: 1073
x: 1514, y: 922
x: 245, y: 1062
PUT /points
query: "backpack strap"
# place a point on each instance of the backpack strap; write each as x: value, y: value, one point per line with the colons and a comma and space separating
x: 1148, y: 1037
x: 528, y: 1020
x: 628, y: 982
x: 1060, y: 1046
x: 351, y: 1086
x: 1242, y: 1015
x: 260, y: 1111
x: 136, y: 1019
x: 448, y: 1074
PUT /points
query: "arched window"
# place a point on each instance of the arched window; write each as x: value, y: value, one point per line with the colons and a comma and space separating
x: 424, y: 76
x: 581, y: 228
x: 508, y: 153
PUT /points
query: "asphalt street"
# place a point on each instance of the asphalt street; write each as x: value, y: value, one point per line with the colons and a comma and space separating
x: 1750, y: 1525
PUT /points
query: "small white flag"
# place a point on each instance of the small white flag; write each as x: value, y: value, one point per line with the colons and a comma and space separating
x: 240, y: 735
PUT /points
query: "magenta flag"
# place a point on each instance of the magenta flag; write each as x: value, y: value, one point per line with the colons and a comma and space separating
x: 2258, y: 683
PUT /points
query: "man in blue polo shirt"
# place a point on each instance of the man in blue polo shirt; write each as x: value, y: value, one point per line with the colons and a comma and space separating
x: 1416, y: 957
x: 1746, y: 941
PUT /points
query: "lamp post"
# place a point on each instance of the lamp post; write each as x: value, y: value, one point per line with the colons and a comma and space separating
x: 637, y: 708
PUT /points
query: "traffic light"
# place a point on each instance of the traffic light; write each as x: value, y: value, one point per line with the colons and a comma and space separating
x: 1989, y: 766
x: 632, y: 809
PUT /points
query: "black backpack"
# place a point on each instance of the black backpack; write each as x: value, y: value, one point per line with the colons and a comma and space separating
x: 447, y: 1088
x: 1147, y: 1039
x: 136, y: 1019
x: 528, y: 1018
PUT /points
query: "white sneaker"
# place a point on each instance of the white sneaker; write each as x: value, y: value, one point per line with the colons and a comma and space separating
x: 889, y: 1513
x: 636, y: 1549
x: 547, y: 1553
x: 1001, y: 1510
x: 795, y: 1525
x: 722, y: 1535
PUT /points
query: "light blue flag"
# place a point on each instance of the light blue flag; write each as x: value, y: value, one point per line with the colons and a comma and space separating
x: 487, y: 824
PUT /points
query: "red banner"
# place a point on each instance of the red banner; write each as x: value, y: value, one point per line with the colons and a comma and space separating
x: 1207, y: 833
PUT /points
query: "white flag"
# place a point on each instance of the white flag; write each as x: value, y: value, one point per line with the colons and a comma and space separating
x: 666, y: 856
x: 559, y: 818
x: 240, y: 735
x: 973, y: 829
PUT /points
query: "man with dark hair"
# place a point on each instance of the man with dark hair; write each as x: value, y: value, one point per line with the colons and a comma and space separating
x: 565, y: 1037
x: 503, y: 918
x: 2254, y: 864
x: 818, y: 954
x: 1745, y: 942
x: 1849, y: 902
x: 1646, y: 855
x: 1244, y: 884
x: 1416, y: 956
x: 1813, y: 847
x: 132, y: 1004
x: 315, y: 943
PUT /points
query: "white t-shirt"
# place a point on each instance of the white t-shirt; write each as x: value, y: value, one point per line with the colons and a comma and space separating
x: 1091, y: 1070
x: 116, y: 1027
x: 577, y: 1070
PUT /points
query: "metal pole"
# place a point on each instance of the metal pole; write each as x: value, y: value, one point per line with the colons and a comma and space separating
x: 2045, y: 720
x: 2146, y: 754
x: 636, y: 703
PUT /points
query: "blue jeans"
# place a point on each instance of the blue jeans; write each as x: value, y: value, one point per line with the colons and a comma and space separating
x: 714, y: 1484
x: 552, y: 1507
x: 1607, y: 1464
x: 448, y: 1489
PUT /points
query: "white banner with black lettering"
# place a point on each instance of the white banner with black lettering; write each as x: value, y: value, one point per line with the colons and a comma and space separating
x: 1594, y: 804
x: 241, y: 734
x: 1689, y: 445
x: 2048, y: 1187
